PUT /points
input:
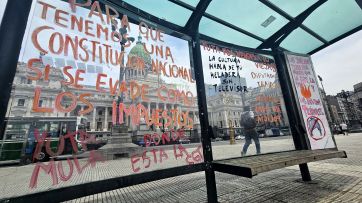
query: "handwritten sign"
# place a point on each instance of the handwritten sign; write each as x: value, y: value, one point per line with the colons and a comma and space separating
x: 252, y: 80
x: 310, y: 101
x: 55, y: 169
x: 92, y: 57
x: 153, y: 156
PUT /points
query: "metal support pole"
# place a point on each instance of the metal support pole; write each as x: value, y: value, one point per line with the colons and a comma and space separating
x: 298, y: 132
x: 11, y: 36
x: 205, y: 139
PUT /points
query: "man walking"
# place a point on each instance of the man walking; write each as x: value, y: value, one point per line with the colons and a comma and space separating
x: 344, y: 128
x: 249, y: 124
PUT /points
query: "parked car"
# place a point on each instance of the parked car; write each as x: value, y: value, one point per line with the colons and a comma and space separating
x: 184, y: 141
x: 239, y: 137
x: 273, y: 132
x: 143, y: 144
x: 216, y: 139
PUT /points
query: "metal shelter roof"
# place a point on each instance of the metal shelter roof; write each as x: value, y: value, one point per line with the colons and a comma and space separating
x: 302, y: 26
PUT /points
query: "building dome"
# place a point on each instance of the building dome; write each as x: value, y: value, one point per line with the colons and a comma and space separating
x: 139, y: 51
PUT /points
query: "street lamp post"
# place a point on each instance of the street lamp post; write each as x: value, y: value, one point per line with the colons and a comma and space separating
x: 229, y: 101
x: 231, y: 132
x: 326, y: 101
x: 123, y: 31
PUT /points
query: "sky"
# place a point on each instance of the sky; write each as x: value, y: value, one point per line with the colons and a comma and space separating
x: 2, y: 8
x: 340, y: 65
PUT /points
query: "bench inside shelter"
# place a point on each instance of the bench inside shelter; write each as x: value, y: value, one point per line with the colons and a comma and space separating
x: 250, y: 166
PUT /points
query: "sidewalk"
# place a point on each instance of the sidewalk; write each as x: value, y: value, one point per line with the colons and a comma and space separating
x: 334, y: 180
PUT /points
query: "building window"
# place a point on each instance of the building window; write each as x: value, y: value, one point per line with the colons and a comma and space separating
x: 110, y: 124
x: 23, y: 80
x: 99, y: 126
x: 21, y: 102
x: 100, y: 113
x: 29, y: 82
x: 40, y: 103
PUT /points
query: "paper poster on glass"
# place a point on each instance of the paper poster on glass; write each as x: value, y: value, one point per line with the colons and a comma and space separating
x: 310, y: 101
x: 242, y: 86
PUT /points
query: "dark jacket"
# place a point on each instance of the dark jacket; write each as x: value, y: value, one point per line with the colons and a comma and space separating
x: 249, y: 124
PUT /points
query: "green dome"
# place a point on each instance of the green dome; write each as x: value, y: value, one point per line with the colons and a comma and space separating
x: 139, y: 51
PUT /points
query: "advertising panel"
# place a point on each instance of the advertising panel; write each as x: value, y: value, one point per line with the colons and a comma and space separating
x: 310, y: 101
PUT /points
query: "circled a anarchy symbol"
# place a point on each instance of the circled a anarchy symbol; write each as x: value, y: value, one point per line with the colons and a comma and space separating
x: 316, y: 128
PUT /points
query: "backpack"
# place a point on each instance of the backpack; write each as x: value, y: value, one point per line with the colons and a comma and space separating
x: 249, y: 123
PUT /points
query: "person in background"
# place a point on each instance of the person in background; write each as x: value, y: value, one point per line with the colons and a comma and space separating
x: 249, y: 124
x: 344, y: 128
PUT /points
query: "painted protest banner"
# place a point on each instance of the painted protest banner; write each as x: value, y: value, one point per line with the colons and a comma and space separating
x: 84, y: 71
x: 310, y: 101
x: 249, y: 82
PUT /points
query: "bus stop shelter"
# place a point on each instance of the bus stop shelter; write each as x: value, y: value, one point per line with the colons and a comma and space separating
x: 56, y: 38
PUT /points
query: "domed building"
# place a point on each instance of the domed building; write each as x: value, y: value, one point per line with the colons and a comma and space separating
x: 154, y: 82
x: 139, y: 51
x: 99, y: 121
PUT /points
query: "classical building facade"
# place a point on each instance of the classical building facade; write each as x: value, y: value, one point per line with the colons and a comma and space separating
x: 100, y: 119
x: 226, y: 108
x: 358, y: 99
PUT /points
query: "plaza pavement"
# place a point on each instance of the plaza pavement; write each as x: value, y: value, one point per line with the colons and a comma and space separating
x: 335, y: 180
x: 15, y: 180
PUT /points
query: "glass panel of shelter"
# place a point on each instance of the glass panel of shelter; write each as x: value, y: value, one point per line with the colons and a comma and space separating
x: 293, y: 8
x: 164, y: 9
x: 191, y: 2
x: 252, y: 16
x: 118, y: 94
x: 334, y: 18
x: 2, y: 9
x: 218, y: 31
x: 295, y: 42
x: 244, y: 101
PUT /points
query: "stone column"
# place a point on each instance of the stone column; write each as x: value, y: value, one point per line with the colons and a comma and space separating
x: 82, y: 109
x: 29, y: 107
x: 50, y: 104
x: 149, y: 108
x: 94, y: 119
x: 226, y: 119
x: 105, y: 119
x: 10, y: 105
x: 157, y: 106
